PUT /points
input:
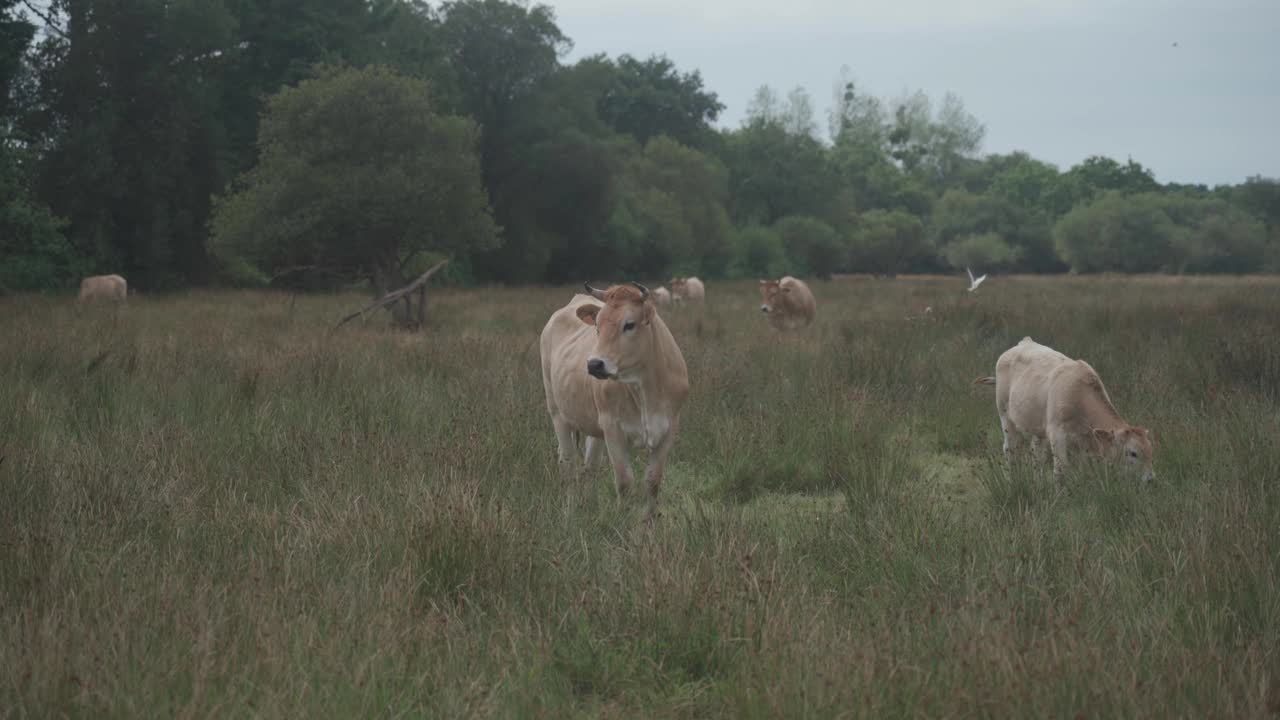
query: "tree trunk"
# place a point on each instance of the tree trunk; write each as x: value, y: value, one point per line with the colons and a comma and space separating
x: 387, y: 278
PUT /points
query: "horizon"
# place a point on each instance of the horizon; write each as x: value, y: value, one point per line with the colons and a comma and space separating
x: 1193, y: 113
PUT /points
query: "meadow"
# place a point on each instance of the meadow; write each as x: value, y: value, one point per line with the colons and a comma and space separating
x: 214, y: 504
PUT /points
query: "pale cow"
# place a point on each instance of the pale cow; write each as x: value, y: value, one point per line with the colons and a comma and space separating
x: 1044, y: 394
x: 662, y: 296
x: 104, y: 287
x: 611, y: 370
x: 788, y: 303
x: 688, y: 289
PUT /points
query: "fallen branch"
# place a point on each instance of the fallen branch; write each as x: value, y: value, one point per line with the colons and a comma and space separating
x: 394, y: 296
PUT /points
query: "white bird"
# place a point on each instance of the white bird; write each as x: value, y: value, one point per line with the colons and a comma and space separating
x: 974, y: 282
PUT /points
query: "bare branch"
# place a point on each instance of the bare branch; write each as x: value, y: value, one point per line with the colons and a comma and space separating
x: 47, y: 18
x: 394, y: 296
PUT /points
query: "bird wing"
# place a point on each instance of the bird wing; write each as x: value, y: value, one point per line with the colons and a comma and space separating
x: 970, y: 274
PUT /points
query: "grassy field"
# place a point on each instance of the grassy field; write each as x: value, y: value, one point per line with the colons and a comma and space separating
x: 212, y: 505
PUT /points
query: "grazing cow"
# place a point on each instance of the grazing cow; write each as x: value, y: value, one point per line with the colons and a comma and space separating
x: 1044, y: 394
x: 104, y: 287
x: 611, y: 370
x: 788, y: 302
x: 662, y: 296
x: 690, y: 289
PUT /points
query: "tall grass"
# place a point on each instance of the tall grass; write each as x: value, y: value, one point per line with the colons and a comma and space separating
x: 211, y: 504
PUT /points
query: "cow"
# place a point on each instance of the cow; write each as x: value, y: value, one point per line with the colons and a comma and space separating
x: 104, y: 287
x: 688, y: 289
x: 1044, y: 394
x: 788, y: 303
x: 612, y: 371
x: 662, y: 296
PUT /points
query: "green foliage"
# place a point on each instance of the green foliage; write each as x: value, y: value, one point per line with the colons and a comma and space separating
x: 357, y: 173
x: 758, y: 252
x: 1116, y: 233
x: 34, y: 254
x: 1158, y: 232
x: 671, y: 217
x: 774, y: 173
x: 650, y: 98
x: 813, y: 247
x: 986, y: 251
x: 139, y: 112
x: 961, y: 214
x: 888, y: 242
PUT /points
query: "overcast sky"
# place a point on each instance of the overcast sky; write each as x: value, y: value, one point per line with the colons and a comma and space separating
x: 1062, y: 80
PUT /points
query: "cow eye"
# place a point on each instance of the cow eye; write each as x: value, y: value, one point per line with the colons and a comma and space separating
x: 628, y: 326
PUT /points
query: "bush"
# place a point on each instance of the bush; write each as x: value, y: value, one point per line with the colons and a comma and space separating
x: 888, y: 242
x: 812, y: 246
x: 987, y: 250
x: 758, y: 253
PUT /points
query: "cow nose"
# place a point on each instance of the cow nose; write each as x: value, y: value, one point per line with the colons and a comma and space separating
x: 595, y: 366
x: 764, y: 308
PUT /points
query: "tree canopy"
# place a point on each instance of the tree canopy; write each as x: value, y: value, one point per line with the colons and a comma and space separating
x: 192, y: 143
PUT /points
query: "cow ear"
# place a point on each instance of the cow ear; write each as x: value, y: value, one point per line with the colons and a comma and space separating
x: 587, y: 313
x: 1145, y: 432
x: 1103, y: 436
x: 650, y: 309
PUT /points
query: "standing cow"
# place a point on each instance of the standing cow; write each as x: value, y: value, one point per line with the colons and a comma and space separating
x: 1044, y: 394
x: 788, y: 303
x: 611, y: 370
x: 104, y: 287
x: 688, y: 290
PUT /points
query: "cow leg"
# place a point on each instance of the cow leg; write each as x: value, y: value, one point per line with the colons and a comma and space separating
x: 616, y: 441
x: 653, y: 473
x: 595, y: 448
x: 568, y: 450
x: 1039, y: 448
x: 1011, y: 437
x: 1058, y: 443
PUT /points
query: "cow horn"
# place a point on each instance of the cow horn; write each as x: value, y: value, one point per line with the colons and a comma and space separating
x: 597, y: 294
x: 644, y: 291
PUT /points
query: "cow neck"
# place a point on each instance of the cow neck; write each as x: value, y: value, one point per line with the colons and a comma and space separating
x: 648, y: 383
x: 1100, y: 413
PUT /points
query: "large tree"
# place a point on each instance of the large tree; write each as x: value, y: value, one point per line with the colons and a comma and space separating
x: 358, y: 172
x: 648, y: 98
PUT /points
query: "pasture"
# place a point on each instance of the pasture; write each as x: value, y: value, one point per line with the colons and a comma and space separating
x: 212, y: 505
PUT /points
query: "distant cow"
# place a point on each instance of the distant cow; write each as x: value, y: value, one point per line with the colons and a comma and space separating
x: 662, y: 296
x: 788, y: 302
x: 104, y: 287
x: 1042, y: 393
x: 688, y: 289
x: 611, y: 370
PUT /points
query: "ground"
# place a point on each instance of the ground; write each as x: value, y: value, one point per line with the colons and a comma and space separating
x: 215, y: 504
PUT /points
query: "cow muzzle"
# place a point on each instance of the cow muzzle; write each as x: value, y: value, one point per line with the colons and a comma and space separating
x: 599, y: 369
x: 764, y: 308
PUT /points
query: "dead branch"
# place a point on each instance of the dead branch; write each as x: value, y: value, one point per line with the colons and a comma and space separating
x: 47, y: 18
x: 394, y: 296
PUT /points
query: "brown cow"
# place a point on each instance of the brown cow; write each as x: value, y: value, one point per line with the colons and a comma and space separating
x: 1044, y: 394
x: 104, y: 287
x: 788, y: 302
x: 688, y: 289
x: 611, y: 370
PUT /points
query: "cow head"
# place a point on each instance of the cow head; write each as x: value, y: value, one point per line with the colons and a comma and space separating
x: 770, y: 292
x: 624, y: 336
x: 678, y: 289
x: 1131, y: 446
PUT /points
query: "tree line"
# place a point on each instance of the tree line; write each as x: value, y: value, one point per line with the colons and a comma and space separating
x: 324, y: 142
